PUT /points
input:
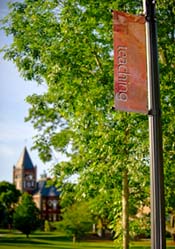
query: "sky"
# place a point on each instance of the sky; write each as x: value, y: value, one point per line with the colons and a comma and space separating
x: 15, y: 133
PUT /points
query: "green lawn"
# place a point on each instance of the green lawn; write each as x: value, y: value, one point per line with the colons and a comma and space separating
x: 15, y: 240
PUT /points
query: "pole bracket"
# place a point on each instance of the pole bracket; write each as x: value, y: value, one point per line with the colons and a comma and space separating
x: 151, y: 112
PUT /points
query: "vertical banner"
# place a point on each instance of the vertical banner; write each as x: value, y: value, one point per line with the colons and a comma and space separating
x: 130, y: 81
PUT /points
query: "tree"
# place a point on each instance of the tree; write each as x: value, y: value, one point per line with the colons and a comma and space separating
x: 9, y: 196
x: 73, y: 56
x: 26, y: 215
x: 76, y: 220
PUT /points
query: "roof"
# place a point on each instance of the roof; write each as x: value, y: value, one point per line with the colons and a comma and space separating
x: 24, y: 161
x: 46, y: 191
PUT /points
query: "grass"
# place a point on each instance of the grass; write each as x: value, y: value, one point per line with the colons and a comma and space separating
x: 38, y: 240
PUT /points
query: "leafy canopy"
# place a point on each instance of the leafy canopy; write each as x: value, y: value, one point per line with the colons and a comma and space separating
x: 26, y: 215
x: 9, y: 196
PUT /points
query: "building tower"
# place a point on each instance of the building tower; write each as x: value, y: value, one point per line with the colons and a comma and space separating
x: 24, y: 173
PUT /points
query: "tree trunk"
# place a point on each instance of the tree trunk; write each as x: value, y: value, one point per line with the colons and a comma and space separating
x: 125, y: 198
x: 101, y: 229
x: 173, y: 237
x: 74, y: 238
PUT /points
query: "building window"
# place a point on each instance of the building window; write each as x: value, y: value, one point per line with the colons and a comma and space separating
x: 50, y: 203
x: 30, y: 177
x: 28, y: 184
x: 54, y: 204
x: 54, y: 217
x: 50, y: 217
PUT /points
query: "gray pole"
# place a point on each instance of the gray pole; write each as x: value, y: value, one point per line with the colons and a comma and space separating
x: 158, y: 240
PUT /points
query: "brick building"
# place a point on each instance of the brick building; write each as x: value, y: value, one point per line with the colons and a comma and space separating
x: 46, y: 197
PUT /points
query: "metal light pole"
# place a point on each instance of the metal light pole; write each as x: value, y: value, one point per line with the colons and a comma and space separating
x: 155, y: 134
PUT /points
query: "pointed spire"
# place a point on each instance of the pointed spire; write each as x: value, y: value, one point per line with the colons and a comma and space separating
x: 24, y: 161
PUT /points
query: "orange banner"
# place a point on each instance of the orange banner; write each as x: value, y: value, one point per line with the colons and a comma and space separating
x: 130, y: 81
